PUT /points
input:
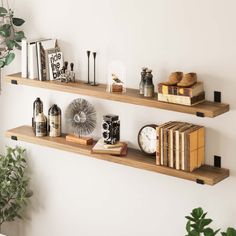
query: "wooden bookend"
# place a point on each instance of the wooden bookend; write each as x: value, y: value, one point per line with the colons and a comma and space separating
x: 79, y: 140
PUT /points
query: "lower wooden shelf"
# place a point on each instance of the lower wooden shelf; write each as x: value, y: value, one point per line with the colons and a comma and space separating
x: 206, y: 174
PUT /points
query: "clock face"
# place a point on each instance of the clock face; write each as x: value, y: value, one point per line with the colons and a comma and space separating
x: 147, y: 139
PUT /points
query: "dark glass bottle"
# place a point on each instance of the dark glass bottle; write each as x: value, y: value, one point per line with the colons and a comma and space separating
x: 37, y: 108
x: 149, y: 86
x: 54, y: 121
x: 142, y: 82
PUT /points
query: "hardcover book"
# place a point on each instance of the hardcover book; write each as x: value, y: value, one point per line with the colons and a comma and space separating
x: 55, y: 65
x: 101, y: 148
x: 182, y: 100
x: 181, y: 91
x: 42, y: 47
x: 172, y: 144
x: 160, y: 157
x: 194, y: 147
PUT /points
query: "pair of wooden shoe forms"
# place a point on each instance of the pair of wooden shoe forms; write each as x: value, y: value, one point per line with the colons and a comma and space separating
x: 182, y: 80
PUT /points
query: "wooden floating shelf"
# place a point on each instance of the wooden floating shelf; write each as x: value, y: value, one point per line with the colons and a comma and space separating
x: 206, y: 174
x: 205, y: 109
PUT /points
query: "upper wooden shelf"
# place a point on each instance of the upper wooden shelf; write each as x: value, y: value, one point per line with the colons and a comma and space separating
x: 206, y: 174
x: 205, y: 109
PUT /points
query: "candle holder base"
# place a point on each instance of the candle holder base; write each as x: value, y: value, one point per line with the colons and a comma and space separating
x: 94, y: 84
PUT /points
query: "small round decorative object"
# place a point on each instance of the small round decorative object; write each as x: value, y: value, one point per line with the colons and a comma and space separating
x: 147, y: 139
x: 81, y: 117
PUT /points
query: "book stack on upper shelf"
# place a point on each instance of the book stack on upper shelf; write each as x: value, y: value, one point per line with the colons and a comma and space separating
x: 183, y: 90
x: 35, y: 58
x: 181, y: 145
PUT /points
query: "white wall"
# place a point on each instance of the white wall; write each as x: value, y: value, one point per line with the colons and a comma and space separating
x: 76, y: 195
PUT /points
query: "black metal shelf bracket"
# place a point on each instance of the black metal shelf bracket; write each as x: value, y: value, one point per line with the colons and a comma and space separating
x: 217, y: 96
x: 200, y: 181
x: 14, y: 138
x: 200, y: 114
x: 13, y: 81
x: 217, y: 161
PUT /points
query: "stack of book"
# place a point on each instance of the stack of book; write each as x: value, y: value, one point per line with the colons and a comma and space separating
x: 118, y: 149
x: 35, y: 58
x: 181, y: 95
x: 181, y: 145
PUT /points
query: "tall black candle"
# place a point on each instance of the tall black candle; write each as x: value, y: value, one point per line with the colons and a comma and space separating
x: 94, y: 70
x: 88, y: 55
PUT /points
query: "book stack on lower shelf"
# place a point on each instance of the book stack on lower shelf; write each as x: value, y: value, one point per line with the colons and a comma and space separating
x: 118, y: 149
x: 181, y: 95
x: 181, y: 146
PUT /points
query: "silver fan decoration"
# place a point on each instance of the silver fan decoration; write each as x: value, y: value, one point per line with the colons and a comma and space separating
x: 81, y: 117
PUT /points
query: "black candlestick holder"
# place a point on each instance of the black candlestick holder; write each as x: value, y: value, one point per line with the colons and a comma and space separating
x: 88, y: 55
x: 94, y: 70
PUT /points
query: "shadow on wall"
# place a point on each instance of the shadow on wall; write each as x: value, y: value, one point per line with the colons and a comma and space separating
x: 214, y: 83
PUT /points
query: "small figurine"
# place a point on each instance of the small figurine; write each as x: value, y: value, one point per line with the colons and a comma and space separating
x: 117, y: 84
x: 148, y: 85
x: 66, y: 75
x: 72, y: 73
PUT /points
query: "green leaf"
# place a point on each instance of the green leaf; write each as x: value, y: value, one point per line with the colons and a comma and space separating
x: 188, y: 226
x: 193, y: 233
x: 29, y: 194
x: 18, y: 21
x: 216, y: 232
x: 10, y: 57
x: 5, y: 30
x: 2, y: 63
x: 10, y: 44
x: 197, y: 213
x: 205, y: 222
x: 3, y: 11
x: 230, y: 232
x: 190, y: 218
x: 208, y: 232
x: 19, y: 36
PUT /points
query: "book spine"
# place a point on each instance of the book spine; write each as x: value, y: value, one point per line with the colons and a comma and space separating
x: 171, y: 149
x: 177, y: 157
x: 183, y: 167
x: 161, y: 147
x: 182, y: 100
x: 165, y: 158
x: 32, y: 64
x: 201, y: 146
x: 193, y: 150
x: 158, y: 162
x: 38, y: 46
x: 24, y: 58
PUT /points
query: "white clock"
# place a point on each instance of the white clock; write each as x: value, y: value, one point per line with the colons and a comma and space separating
x: 147, y: 139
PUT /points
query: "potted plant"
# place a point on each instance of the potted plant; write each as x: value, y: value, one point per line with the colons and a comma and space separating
x: 10, y: 37
x: 198, y: 225
x: 14, y: 185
